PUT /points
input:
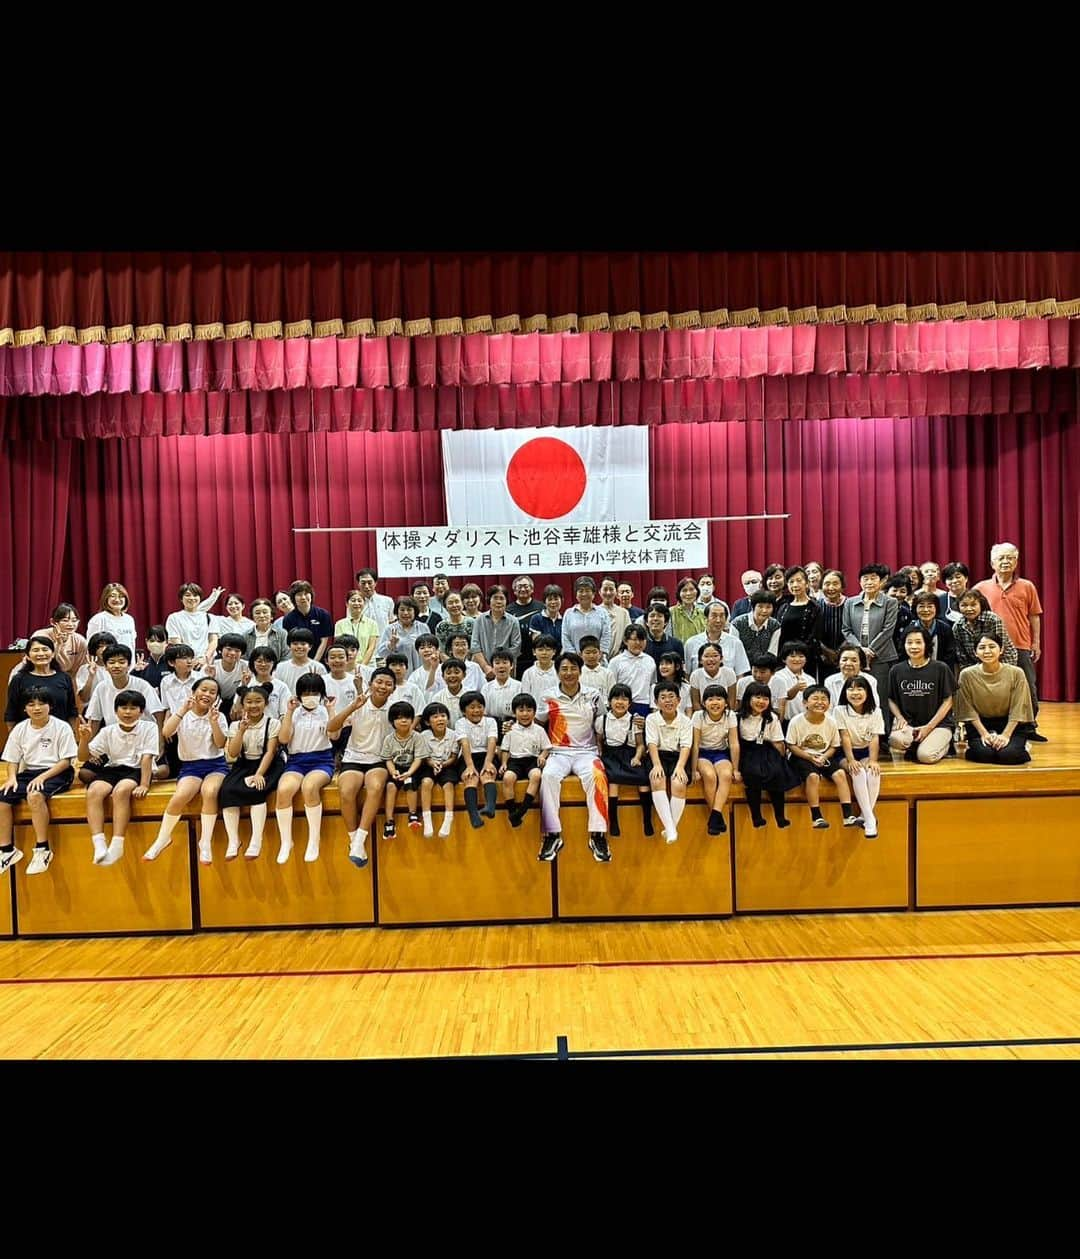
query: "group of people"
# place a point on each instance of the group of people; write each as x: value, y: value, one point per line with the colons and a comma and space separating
x: 795, y: 682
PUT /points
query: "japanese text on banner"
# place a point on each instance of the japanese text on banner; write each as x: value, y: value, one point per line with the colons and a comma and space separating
x: 411, y: 551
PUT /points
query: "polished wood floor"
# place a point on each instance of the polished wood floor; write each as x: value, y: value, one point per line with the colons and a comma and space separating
x: 775, y: 985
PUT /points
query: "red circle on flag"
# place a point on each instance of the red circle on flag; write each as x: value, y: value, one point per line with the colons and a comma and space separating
x: 546, y: 478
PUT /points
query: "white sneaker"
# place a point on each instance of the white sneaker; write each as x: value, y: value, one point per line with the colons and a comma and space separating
x: 115, y: 851
x: 671, y: 837
x: 312, y: 851
x: 8, y: 859
x: 871, y: 828
x: 40, y: 861
x: 852, y: 820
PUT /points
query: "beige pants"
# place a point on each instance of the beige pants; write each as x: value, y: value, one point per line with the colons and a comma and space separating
x: 931, y: 748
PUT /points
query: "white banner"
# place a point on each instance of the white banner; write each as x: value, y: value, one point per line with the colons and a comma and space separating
x: 546, y: 475
x: 472, y: 550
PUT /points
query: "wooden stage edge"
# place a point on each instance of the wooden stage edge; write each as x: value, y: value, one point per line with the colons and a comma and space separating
x: 952, y: 835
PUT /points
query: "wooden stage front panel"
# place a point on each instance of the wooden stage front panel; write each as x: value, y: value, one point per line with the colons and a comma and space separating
x: 75, y: 897
x: 646, y: 877
x: 800, y: 868
x: 260, y: 893
x: 1024, y: 851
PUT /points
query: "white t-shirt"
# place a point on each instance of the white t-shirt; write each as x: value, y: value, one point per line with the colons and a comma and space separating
x: 288, y: 672
x: 785, y: 680
x: 193, y: 628
x: 252, y: 747
x: 309, y: 730
x: 121, y: 627
x: 341, y: 689
x: 228, y: 680
x: 715, y: 735
x: 821, y: 738
x: 226, y: 625
x: 476, y: 733
x: 126, y: 747
x: 616, y: 731
x: 174, y: 690
x: 636, y: 672
x: 860, y: 726
x: 725, y: 677
x: 668, y: 737
x: 497, y: 699
x: 32, y: 748
x: 731, y: 648
x: 600, y: 677
x: 406, y: 693
x: 102, y: 706
x: 474, y: 677
x: 528, y: 740
x: 370, y: 726
x: 756, y: 730
x: 194, y: 740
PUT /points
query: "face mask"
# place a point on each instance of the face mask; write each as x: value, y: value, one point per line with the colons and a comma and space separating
x: 705, y: 590
x: 750, y: 586
x: 157, y: 650
x: 309, y: 701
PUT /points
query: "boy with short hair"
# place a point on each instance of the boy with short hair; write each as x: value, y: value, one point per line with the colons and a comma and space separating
x: 38, y: 753
x: 119, y: 762
x: 301, y: 645
x: 542, y: 676
x: 453, y: 672
x: 813, y: 738
x: 499, y: 693
x: 524, y: 749
x: 595, y: 673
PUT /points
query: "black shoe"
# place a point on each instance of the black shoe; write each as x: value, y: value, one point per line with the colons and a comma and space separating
x: 1036, y: 737
x: 599, y: 845
x: 549, y: 849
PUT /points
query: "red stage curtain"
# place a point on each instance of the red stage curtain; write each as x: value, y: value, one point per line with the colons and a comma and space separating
x: 150, y: 295
x: 153, y: 513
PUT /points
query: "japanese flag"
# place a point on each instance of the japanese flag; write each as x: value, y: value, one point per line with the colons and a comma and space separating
x: 546, y: 475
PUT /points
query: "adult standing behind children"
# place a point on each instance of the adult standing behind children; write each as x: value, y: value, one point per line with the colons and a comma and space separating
x: 1016, y: 601
x: 305, y: 615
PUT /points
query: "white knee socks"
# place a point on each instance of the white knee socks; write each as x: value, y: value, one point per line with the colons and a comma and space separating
x: 284, y: 825
x: 231, y: 818
x: 206, y: 855
x: 313, y: 812
x: 168, y: 822
x: 258, y: 823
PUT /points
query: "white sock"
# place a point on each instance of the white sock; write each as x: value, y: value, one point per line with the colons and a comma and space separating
x: 429, y: 826
x: 115, y: 851
x: 284, y: 825
x: 357, y: 840
x: 447, y: 823
x: 205, y: 850
x: 663, y: 810
x: 313, y: 812
x: 163, y: 836
x: 258, y: 823
x: 101, y: 848
x: 678, y: 803
x: 231, y: 818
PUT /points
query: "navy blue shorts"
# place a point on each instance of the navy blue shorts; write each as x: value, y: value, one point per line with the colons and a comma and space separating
x: 25, y: 777
x: 202, y: 769
x: 304, y: 763
x: 712, y: 755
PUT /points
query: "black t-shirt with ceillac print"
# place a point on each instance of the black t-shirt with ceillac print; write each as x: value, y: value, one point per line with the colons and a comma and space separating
x: 919, y: 693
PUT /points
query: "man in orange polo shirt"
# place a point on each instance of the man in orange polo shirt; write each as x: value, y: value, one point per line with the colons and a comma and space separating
x: 1016, y: 601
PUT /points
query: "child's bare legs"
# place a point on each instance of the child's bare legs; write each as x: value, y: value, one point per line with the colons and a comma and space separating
x: 509, y: 783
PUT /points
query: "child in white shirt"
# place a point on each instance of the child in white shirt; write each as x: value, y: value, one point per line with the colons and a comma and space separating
x: 119, y: 762
x: 442, y: 765
x: 814, y: 741
x: 478, y: 736
x: 669, y: 738
x: 38, y: 753
x: 715, y: 754
x: 525, y: 748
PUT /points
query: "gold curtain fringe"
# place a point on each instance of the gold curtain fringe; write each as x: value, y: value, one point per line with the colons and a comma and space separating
x: 179, y: 332
x: 563, y: 323
x: 1011, y: 310
x: 534, y: 323
x: 64, y: 334
x: 922, y: 314
x: 779, y: 315
x: 270, y: 330
x: 508, y: 323
x: 360, y: 328
x: 658, y: 319
x: 953, y: 310
x: 418, y: 327
x: 90, y: 336
x: 298, y: 328
x: 982, y: 310
x: 1047, y: 308
x: 121, y: 332
x: 744, y: 318
x: 861, y: 314
x: 388, y: 328
x: 593, y: 323
x: 714, y: 318
x: 441, y: 327
x: 686, y: 319
x: 478, y: 323
x: 7, y: 336
x: 1069, y: 309
x: 804, y: 314
x: 29, y: 336
x: 832, y: 314
x: 238, y: 331
x: 209, y: 332
x: 329, y: 328
x: 626, y: 322
x: 150, y: 332
x: 891, y: 314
